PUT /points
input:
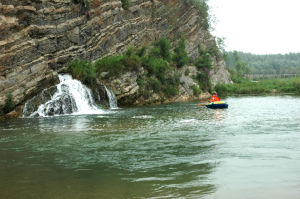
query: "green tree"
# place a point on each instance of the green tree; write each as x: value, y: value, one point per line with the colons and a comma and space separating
x: 180, y: 55
x: 203, y: 61
x: 9, y: 104
x: 241, y: 68
x: 125, y: 4
x: 163, y: 45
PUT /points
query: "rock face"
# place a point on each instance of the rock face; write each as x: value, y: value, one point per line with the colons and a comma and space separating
x: 39, y: 37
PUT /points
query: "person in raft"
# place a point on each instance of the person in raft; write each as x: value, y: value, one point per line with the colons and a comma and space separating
x: 214, y: 97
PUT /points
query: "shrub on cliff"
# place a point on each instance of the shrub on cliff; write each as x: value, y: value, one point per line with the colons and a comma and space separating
x: 180, y: 55
x: 203, y: 80
x: 203, y: 62
x: 111, y: 64
x: 125, y: 4
x: 156, y: 67
x: 83, y: 70
x: 163, y: 48
x: 9, y: 104
x: 203, y: 8
x: 131, y: 60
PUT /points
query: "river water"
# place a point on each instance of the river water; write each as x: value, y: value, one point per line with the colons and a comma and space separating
x: 251, y: 150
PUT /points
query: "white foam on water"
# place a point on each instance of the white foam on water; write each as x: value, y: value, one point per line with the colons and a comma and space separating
x: 113, y: 104
x: 71, y: 98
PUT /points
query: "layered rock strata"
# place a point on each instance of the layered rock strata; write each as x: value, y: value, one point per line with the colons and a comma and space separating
x: 39, y: 37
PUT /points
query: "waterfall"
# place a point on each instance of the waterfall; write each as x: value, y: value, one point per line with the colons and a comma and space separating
x: 71, y: 97
x: 113, y: 104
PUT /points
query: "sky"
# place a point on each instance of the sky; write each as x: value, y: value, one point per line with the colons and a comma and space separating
x: 258, y: 26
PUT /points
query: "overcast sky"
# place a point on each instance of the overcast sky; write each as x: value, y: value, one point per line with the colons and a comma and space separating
x: 258, y: 26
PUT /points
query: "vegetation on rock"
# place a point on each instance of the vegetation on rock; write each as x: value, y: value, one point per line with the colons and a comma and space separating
x: 159, y: 63
x: 262, y: 87
x: 180, y: 56
x: 203, y: 8
x: 125, y: 4
x: 9, y: 104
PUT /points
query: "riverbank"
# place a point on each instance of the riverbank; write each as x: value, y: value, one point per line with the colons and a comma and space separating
x: 247, y: 87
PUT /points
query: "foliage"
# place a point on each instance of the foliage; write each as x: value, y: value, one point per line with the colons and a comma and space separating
x: 111, y: 64
x: 180, y: 55
x: 203, y: 61
x: 131, y: 60
x: 171, y: 88
x: 82, y: 70
x: 196, y: 90
x: 141, y: 51
x: 262, y: 87
x: 156, y: 84
x: 156, y: 67
x: 140, y: 81
x: 268, y: 64
x: 9, y: 104
x: 202, y: 6
x: 157, y: 62
x: 125, y: 4
x: 163, y: 48
x: 84, y: 3
x: 187, y: 72
x: 203, y: 80
x: 238, y: 69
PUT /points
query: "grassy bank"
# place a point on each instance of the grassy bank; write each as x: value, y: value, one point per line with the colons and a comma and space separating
x: 260, y: 87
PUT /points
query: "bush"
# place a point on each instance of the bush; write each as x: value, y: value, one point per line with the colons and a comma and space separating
x: 156, y: 85
x: 130, y: 60
x: 141, y: 51
x: 140, y: 81
x: 9, y: 104
x: 196, y: 90
x: 125, y: 4
x: 163, y: 45
x: 296, y: 85
x: 203, y: 80
x: 83, y: 70
x: 187, y: 72
x: 222, y: 89
x: 203, y: 61
x: 111, y: 64
x: 156, y: 67
x: 171, y: 90
x: 180, y: 55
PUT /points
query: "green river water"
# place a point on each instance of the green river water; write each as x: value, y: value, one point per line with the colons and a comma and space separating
x: 251, y: 150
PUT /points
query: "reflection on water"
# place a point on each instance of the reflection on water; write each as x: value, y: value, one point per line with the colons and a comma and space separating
x: 166, y: 151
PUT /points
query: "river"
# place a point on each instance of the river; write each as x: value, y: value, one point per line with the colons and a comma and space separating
x: 250, y: 150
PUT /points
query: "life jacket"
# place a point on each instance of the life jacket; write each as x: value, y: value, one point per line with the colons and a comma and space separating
x: 215, y: 98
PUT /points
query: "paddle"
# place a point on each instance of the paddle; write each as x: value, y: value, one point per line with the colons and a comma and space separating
x: 202, y: 104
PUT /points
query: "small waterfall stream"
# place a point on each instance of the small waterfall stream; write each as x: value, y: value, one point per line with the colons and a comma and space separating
x: 71, y: 97
x: 113, y: 104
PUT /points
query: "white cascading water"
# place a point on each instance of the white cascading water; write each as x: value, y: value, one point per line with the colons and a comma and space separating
x: 113, y: 104
x: 71, y: 97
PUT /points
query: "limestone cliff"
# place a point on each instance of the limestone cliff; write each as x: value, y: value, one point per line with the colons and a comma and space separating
x: 39, y: 37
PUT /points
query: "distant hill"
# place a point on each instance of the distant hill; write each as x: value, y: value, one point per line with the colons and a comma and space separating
x: 269, y: 64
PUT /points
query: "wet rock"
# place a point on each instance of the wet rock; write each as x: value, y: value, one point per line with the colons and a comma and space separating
x: 38, y: 38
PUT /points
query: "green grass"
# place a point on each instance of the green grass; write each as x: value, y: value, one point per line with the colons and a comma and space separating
x: 261, y: 87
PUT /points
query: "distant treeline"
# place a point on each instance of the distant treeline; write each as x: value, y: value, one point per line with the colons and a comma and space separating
x: 268, y: 64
